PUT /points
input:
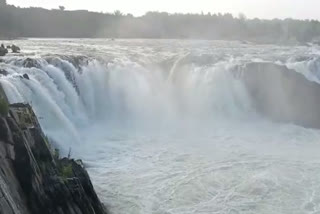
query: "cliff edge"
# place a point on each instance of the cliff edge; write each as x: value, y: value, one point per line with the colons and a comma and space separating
x: 33, y: 179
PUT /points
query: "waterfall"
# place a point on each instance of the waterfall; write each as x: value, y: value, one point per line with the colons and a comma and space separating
x: 69, y: 98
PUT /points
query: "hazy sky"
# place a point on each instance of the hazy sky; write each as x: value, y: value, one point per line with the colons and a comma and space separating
x: 302, y: 9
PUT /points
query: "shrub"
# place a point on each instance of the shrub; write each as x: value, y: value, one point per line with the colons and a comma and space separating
x: 66, y: 171
x: 4, y: 107
x: 56, y: 154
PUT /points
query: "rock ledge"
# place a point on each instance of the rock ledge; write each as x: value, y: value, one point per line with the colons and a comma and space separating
x: 33, y: 179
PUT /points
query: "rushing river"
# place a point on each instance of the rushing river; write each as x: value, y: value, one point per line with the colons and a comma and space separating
x: 166, y: 127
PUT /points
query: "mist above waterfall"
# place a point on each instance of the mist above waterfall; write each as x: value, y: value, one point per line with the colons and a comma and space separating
x: 173, y: 126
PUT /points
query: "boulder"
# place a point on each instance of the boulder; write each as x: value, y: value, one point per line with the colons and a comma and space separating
x: 26, y: 76
x: 15, y: 49
x: 3, y: 51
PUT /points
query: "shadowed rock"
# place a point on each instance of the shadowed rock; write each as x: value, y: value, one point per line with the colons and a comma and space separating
x: 3, y: 51
x: 26, y: 76
x: 31, y: 63
x: 32, y: 179
x: 15, y: 49
x: 283, y: 94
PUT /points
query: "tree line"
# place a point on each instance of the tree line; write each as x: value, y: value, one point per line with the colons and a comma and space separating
x: 39, y: 22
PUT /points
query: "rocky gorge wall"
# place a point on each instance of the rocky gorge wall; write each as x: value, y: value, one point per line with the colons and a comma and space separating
x: 282, y: 95
x: 33, y: 178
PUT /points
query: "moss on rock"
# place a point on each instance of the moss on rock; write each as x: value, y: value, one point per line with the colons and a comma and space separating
x: 4, y: 107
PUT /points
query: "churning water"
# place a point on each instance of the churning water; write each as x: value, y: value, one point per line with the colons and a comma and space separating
x: 165, y: 126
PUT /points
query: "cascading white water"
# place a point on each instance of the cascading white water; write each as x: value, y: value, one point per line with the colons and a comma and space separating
x: 125, y: 93
x: 170, y: 132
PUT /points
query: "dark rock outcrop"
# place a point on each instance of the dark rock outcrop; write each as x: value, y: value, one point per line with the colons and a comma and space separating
x: 3, y: 51
x: 26, y: 76
x: 33, y: 180
x: 283, y: 94
x: 15, y: 49
x: 31, y: 63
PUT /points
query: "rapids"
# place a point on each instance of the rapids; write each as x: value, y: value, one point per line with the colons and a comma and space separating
x: 167, y: 126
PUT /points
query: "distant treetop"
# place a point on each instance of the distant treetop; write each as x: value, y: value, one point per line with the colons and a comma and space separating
x: 39, y: 22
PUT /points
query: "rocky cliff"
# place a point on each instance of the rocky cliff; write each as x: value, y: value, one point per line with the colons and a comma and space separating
x: 33, y: 179
x: 282, y: 94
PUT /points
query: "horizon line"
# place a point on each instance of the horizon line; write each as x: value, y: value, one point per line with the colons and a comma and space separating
x: 236, y: 16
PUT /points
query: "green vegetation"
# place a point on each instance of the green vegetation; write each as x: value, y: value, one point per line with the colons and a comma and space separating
x: 56, y: 154
x: 46, y: 140
x: 66, y: 171
x: 39, y: 22
x: 4, y: 107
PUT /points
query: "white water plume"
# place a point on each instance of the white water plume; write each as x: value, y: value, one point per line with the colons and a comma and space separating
x: 127, y: 93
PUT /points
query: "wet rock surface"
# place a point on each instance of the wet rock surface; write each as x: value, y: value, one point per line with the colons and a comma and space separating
x: 33, y: 179
x: 31, y: 63
x: 283, y: 94
x: 3, y: 51
x: 26, y: 76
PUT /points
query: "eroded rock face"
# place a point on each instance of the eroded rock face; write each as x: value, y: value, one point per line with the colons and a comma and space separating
x: 31, y: 63
x: 3, y: 51
x: 32, y: 179
x: 12, y: 199
x: 283, y: 94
